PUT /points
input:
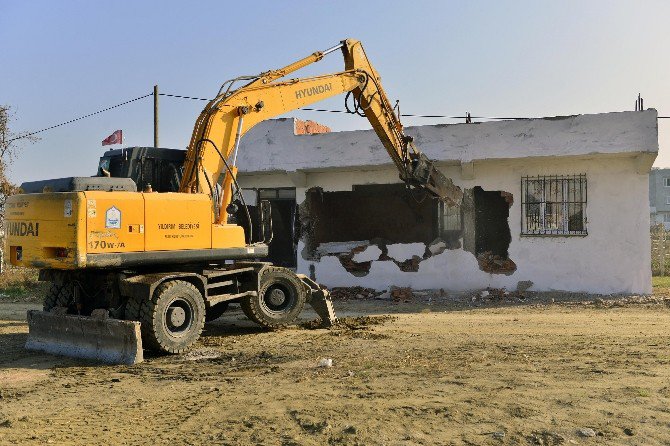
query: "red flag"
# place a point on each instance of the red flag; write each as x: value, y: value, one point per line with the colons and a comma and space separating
x: 114, y: 138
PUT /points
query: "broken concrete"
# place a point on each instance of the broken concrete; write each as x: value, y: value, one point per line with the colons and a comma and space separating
x: 336, y: 248
x: 437, y: 247
x: 327, y: 219
x: 405, y: 251
x: 524, y: 285
x: 369, y: 254
x: 495, y: 264
x: 309, y: 127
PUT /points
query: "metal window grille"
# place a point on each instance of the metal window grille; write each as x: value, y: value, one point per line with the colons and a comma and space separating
x: 450, y: 218
x: 553, y: 205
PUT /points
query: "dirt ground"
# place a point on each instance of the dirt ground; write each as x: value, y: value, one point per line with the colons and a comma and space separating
x: 543, y: 371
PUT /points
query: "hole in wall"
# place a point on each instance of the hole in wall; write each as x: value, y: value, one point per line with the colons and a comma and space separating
x: 345, y: 223
x: 492, y: 235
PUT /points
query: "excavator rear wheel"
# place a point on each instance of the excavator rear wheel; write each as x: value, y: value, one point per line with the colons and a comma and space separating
x: 173, y: 319
x: 59, y: 296
x: 280, y: 299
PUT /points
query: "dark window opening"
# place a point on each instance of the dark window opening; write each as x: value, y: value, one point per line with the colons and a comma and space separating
x: 283, y: 246
x: 384, y: 212
x: 492, y: 231
x: 486, y: 231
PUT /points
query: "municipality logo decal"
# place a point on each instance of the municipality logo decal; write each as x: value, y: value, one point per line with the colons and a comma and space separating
x: 113, y: 218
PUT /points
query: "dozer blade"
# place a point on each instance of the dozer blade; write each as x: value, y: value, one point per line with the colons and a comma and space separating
x: 319, y: 299
x: 111, y: 341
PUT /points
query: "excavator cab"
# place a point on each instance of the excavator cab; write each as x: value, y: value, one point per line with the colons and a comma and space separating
x: 130, y: 169
x: 147, y: 166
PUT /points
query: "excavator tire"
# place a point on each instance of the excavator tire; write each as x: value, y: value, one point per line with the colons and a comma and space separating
x: 280, y: 299
x: 173, y: 319
x: 132, y: 311
x: 59, y: 296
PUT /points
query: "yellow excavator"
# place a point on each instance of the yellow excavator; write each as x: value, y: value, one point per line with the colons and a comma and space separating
x: 143, y: 253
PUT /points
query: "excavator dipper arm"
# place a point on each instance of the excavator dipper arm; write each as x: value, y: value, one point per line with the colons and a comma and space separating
x: 212, y: 151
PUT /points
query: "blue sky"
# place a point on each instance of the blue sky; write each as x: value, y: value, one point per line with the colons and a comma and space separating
x: 60, y: 60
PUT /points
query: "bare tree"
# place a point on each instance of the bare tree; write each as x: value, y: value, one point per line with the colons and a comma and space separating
x: 10, y: 144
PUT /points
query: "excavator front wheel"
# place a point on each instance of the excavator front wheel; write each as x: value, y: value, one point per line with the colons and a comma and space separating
x: 280, y: 299
x: 173, y: 319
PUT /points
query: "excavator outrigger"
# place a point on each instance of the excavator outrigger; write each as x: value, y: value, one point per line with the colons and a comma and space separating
x: 128, y: 266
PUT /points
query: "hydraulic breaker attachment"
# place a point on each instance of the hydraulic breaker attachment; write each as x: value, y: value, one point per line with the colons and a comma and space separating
x: 424, y: 174
x: 111, y: 341
x: 319, y: 299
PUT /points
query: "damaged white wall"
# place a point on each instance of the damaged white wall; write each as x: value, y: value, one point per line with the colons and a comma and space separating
x: 614, y: 150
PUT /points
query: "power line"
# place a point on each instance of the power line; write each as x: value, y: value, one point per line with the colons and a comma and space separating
x: 501, y: 118
x: 407, y: 115
x: 182, y: 97
x: 79, y: 118
x: 344, y: 111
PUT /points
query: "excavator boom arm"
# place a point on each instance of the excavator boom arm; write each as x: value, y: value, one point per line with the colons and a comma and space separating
x: 213, y: 148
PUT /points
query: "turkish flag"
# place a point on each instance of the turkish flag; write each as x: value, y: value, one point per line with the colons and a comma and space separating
x: 114, y: 138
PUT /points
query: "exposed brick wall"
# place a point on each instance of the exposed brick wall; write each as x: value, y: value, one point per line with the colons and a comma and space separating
x: 309, y: 128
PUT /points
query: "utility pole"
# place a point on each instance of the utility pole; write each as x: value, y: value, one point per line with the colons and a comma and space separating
x: 155, y: 115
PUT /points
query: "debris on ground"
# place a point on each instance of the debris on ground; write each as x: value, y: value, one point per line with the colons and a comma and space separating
x: 325, y: 362
x: 394, y: 293
x: 200, y: 354
x: 499, y: 435
x: 523, y: 285
x: 350, y: 323
x: 422, y: 371
x: 498, y: 295
x: 586, y: 432
x: 362, y: 322
x: 399, y: 294
x: 354, y: 292
x: 545, y: 438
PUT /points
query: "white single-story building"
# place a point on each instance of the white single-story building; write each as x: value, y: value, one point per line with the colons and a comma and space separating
x: 561, y: 202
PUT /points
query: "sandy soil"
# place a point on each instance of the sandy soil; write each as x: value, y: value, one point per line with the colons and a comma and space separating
x: 430, y: 373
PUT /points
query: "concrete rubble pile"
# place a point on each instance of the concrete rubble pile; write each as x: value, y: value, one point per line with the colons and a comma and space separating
x: 401, y: 294
x: 354, y: 292
x: 394, y: 294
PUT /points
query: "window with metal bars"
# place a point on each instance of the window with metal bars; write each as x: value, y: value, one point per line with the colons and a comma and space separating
x: 553, y: 205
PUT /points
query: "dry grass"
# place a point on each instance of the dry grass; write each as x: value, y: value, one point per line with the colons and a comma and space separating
x: 660, y: 282
x: 20, y: 284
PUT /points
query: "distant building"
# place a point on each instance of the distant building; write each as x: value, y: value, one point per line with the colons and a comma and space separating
x: 659, y: 196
